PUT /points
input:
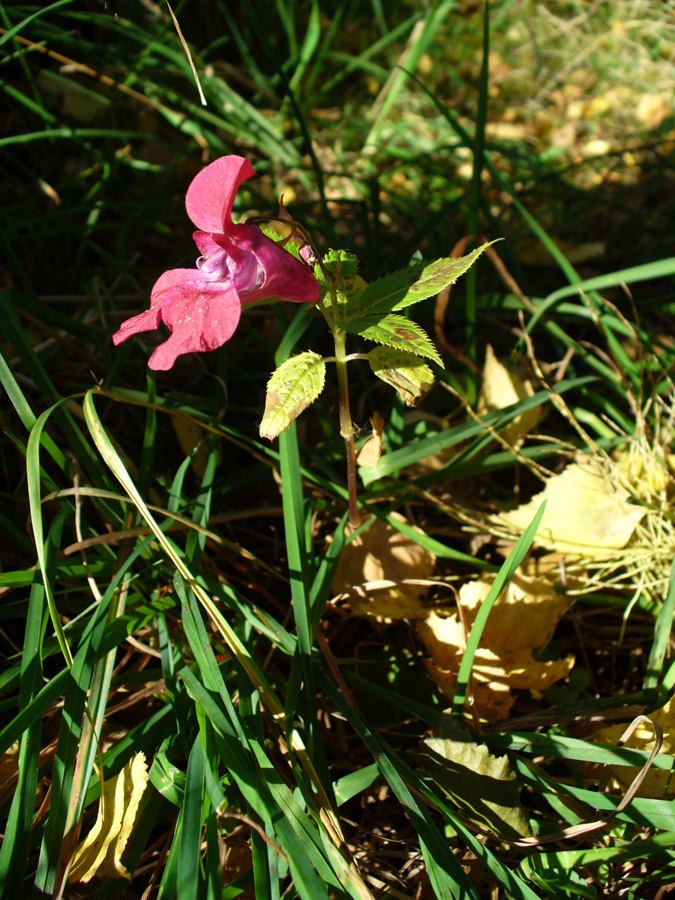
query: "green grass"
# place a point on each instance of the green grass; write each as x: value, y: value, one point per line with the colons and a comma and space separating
x: 162, y: 595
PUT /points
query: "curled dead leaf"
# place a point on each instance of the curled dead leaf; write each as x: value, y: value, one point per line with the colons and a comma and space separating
x: 369, y: 455
x: 521, y: 621
x: 377, y: 570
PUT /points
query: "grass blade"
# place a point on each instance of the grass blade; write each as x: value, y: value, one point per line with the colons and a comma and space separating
x: 506, y: 572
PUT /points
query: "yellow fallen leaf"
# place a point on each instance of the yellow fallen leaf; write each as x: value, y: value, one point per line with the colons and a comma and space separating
x: 652, y: 109
x: 599, y: 106
x: 522, y: 620
x: 100, y: 853
x: 657, y: 783
x: 502, y: 388
x: 506, y: 131
x: 595, y: 147
x: 505, y: 630
x: 586, y: 513
x: 373, y: 569
x: 576, y: 109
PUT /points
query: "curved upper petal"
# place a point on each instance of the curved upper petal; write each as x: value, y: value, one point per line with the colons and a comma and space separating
x: 210, y: 197
x: 201, y: 315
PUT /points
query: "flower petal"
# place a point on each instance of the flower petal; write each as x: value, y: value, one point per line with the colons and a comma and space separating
x: 210, y: 197
x: 285, y: 277
x: 146, y: 321
x: 202, y: 315
x: 171, y: 279
x: 150, y: 319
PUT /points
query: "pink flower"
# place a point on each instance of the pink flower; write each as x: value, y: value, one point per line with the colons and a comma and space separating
x: 238, y: 264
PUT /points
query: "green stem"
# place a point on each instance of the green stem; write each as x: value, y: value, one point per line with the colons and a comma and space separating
x: 346, y: 424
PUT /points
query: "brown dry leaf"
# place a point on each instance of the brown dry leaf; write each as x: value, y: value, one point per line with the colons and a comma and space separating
x: 100, y: 853
x: 502, y: 388
x: 190, y: 435
x: 586, y: 513
x: 581, y: 253
x: 369, y: 455
x: 82, y: 107
x: 658, y: 783
x: 564, y: 137
x: 235, y: 859
x: 522, y: 620
x: 373, y: 568
x: 9, y: 767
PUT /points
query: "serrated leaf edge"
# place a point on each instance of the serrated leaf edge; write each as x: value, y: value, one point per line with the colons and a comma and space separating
x: 432, y: 353
x: 268, y: 417
x: 401, y: 304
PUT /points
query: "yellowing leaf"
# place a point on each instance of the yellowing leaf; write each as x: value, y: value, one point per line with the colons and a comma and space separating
x: 586, y: 513
x: 483, y: 786
x: 403, y: 371
x: 290, y: 390
x: 372, y: 571
x: 522, y: 620
x: 100, y: 853
x: 503, y: 388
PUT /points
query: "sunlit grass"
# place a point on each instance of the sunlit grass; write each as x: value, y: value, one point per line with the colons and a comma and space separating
x: 167, y: 577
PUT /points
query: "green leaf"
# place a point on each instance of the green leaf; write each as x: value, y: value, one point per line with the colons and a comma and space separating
x: 483, y: 786
x: 395, y: 331
x: 403, y: 371
x: 408, y: 286
x: 295, y: 384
